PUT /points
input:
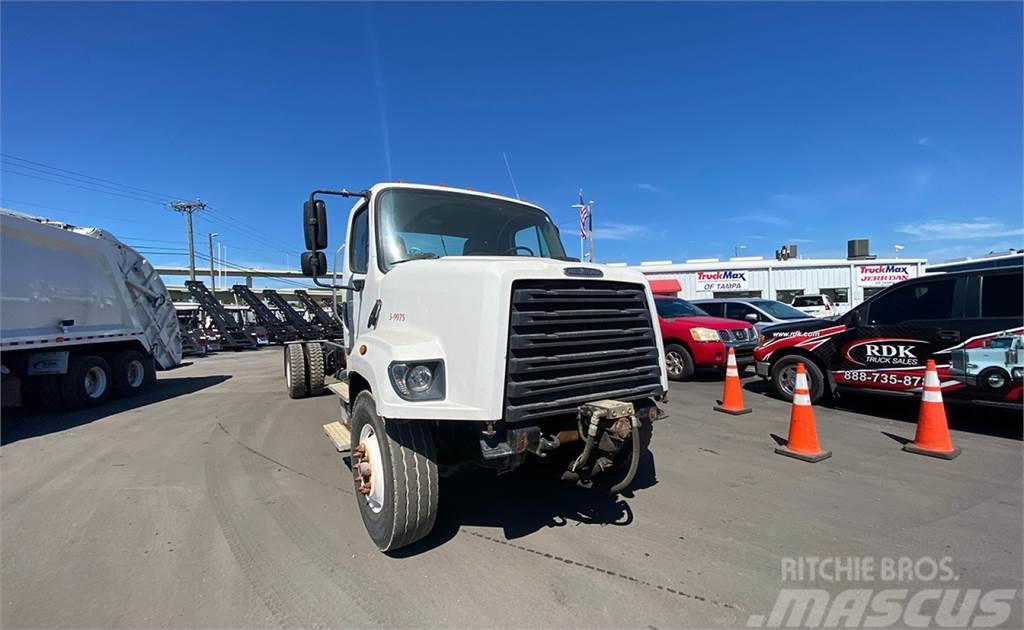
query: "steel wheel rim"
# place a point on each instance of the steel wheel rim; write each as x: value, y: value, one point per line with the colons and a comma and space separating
x: 95, y: 382
x: 372, y: 458
x: 287, y: 370
x: 136, y: 373
x: 674, y: 363
x: 788, y: 379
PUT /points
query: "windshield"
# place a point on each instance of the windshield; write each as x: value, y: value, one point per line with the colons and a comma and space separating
x: 674, y: 307
x: 418, y: 224
x: 778, y: 310
x: 807, y: 300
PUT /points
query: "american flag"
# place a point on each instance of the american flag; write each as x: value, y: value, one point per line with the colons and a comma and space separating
x: 584, y: 212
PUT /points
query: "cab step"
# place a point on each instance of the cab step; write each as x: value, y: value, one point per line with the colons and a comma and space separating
x: 340, y: 390
x: 339, y: 435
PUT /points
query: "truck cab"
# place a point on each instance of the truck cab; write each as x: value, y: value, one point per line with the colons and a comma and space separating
x: 471, y: 339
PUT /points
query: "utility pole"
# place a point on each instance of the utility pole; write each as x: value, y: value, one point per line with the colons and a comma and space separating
x: 213, y: 276
x: 188, y: 207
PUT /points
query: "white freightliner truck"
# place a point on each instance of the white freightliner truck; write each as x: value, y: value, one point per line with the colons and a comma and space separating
x: 471, y: 339
x: 82, y: 316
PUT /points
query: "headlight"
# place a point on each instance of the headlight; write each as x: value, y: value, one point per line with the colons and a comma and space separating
x: 421, y: 380
x: 704, y: 334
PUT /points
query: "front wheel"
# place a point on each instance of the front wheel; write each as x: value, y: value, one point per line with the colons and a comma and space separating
x: 395, y: 470
x: 783, y: 377
x: 678, y: 362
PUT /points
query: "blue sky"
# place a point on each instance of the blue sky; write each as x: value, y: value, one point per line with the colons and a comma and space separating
x: 694, y: 127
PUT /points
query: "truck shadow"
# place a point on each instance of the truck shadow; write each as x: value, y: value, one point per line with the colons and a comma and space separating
x: 527, y: 500
x: 19, y: 423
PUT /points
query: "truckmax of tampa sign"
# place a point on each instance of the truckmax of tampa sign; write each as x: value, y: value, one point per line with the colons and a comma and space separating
x: 882, y: 275
x: 721, y: 280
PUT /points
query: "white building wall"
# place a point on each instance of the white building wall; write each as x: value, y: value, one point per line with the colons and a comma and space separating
x: 769, y: 277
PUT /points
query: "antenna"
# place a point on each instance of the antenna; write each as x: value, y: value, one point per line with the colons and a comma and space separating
x: 509, y: 169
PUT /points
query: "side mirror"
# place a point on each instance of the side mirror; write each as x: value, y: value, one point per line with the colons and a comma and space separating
x: 314, y: 261
x: 314, y: 225
x: 751, y: 317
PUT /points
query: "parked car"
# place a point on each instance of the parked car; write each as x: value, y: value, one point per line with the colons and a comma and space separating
x: 883, y: 344
x: 695, y: 339
x: 995, y: 366
x: 816, y: 305
x: 761, y: 313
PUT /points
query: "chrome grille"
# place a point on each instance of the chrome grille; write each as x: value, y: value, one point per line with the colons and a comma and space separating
x: 576, y: 341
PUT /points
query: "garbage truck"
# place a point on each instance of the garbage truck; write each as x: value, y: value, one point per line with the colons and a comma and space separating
x: 471, y: 341
x: 83, y: 317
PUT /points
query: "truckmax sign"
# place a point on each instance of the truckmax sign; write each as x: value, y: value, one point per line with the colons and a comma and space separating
x: 721, y: 280
x: 882, y: 275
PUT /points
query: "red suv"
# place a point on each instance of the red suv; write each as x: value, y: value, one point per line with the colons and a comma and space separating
x: 695, y: 339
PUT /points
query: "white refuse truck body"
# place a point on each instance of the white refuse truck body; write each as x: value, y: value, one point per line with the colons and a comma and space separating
x: 82, y: 315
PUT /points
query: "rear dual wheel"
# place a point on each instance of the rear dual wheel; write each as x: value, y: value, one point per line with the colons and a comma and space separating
x: 304, y: 369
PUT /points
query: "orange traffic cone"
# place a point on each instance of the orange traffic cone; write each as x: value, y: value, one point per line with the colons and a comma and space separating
x: 732, y: 392
x: 932, y: 436
x: 803, y: 437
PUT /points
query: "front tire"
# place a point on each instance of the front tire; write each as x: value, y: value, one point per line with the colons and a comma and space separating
x: 395, y: 470
x: 783, y: 376
x: 678, y: 362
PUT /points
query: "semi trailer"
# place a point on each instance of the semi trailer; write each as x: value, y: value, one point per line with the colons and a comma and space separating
x: 472, y: 341
x: 83, y: 317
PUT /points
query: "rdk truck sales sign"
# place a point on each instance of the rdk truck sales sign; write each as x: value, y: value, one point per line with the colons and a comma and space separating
x: 721, y: 280
x: 882, y: 275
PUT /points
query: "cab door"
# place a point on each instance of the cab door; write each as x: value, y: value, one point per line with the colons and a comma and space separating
x: 890, y: 338
x: 356, y: 268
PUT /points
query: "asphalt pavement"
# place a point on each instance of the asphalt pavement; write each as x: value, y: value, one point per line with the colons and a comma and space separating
x: 216, y: 501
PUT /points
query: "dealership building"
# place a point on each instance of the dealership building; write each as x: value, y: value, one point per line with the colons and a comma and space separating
x: 846, y: 281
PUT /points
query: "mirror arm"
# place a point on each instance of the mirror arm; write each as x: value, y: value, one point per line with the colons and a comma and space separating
x: 332, y: 286
x: 365, y: 194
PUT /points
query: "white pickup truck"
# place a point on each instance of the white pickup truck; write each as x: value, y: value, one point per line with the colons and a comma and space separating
x: 85, y: 317
x: 817, y: 305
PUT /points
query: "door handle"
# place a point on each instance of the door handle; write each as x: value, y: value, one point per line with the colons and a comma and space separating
x: 949, y: 335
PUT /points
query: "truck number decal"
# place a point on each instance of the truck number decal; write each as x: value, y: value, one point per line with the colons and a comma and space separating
x: 396, y: 317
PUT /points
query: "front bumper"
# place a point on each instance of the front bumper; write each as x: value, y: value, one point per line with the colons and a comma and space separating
x: 716, y: 353
x: 762, y: 368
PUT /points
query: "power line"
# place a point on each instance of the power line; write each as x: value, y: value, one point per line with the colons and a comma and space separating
x: 99, y: 179
x: 101, y: 185
x: 106, y: 192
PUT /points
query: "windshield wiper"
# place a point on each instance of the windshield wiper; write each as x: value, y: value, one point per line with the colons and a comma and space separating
x: 423, y: 256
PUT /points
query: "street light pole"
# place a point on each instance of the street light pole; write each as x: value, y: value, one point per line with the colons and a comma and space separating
x: 213, y: 274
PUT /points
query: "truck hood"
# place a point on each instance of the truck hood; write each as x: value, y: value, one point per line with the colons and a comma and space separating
x: 457, y: 309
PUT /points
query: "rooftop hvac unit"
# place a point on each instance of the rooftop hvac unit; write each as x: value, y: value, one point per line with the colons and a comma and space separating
x: 857, y: 249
